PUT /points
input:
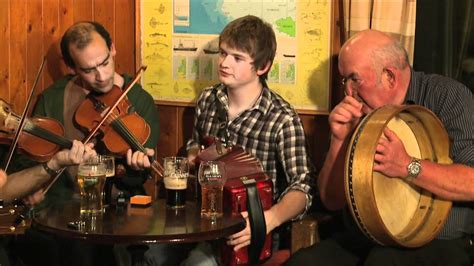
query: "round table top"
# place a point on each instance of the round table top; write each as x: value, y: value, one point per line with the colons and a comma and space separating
x: 137, y: 225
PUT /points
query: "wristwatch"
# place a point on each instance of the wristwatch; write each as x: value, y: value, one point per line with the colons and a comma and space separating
x: 414, y: 169
x: 48, y: 170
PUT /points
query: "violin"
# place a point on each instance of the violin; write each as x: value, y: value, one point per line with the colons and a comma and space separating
x: 122, y: 129
x: 41, y: 137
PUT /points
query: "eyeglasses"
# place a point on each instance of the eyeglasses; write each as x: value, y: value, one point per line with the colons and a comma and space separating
x: 356, y: 81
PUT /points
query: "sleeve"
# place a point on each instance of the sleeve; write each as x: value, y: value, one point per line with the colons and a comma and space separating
x: 457, y: 114
x: 194, y: 141
x: 300, y: 172
x: 146, y: 108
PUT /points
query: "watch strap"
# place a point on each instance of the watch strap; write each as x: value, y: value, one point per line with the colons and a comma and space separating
x: 48, y: 170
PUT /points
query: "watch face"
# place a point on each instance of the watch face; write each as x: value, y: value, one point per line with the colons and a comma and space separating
x: 414, y: 168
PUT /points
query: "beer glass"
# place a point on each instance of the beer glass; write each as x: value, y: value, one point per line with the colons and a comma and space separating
x: 175, y: 177
x: 212, y: 179
x: 109, y: 162
x: 91, y: 180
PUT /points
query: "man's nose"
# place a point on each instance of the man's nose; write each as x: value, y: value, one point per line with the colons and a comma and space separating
x: 99, y: 73
x: 348, y: 90
x: 224, y: 61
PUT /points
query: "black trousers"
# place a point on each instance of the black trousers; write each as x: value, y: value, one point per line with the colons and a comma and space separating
x: 341, y: 250
x: 38, y: 248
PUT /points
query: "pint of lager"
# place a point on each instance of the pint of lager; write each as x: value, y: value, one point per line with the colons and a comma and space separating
x: 176, y: 180
x: 212, y: 179
x: 91, y: 180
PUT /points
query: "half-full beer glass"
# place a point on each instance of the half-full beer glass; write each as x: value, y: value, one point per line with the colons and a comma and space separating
x: 91, y: 180
x: 176, y: 181
x: 109, y: 162
x: 212, y: 179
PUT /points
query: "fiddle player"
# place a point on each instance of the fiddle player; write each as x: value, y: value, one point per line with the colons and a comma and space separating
x: 260, y: 121
x: 89, y: 52
x: 376, y: 72
x: 23, y: 183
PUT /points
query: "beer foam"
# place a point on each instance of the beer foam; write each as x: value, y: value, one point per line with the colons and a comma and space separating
x: 176, y: 181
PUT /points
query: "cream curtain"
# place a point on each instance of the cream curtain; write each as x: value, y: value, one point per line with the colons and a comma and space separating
x: 395, y: 17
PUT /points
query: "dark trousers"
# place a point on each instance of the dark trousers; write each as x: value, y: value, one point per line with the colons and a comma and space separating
x: 342, y: 250
x: 38, y: 248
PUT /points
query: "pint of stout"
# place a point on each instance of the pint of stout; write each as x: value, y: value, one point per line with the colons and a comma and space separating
x: 176, y: 180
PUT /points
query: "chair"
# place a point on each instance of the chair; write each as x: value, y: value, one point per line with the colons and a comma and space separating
x: 304, y: 233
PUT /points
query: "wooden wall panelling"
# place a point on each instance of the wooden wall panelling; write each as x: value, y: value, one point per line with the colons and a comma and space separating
x: 4, y: 48
x: 83, y: 10
x: 104, y: 13
x: 168, y: 140
x: 34, y: 47
x: 66, y: 19
x: 125, y: 36
x: 31, y: 30
x: 176, y: 127
x: 316, y: 130
x: 187, y: 124
x: 51, y: 34
x: 18, y: 56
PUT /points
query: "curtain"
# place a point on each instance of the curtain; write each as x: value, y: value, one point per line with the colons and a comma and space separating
x: 445, y: 39
x: 394, y: 17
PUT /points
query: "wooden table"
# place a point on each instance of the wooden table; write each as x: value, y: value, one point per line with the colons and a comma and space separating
x: 137, y: 226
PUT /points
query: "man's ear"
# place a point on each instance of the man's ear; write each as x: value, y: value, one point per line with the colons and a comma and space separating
x: 70, y: 70
x: 264, y: 69
x: 112, y: 50
x: 389, y: 76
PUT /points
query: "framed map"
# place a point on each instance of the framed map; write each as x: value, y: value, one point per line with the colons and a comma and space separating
x: 179, y: 45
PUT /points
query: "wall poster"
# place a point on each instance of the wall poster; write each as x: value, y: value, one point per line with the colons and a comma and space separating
x: 179, y: 46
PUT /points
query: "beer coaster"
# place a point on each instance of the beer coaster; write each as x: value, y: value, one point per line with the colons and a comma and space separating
x: 140, y: 201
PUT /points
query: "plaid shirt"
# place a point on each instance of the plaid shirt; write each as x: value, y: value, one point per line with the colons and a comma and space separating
x: 271, y: 131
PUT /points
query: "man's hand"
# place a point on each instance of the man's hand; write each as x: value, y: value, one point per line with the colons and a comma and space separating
x: 391, y: 158
x: 345, y: 116
x: 139, y: 160
x: 242, y: 238
x: 76, y: 155
x: 192, y: 154
x: 3, y: 178
x: 35, y: 198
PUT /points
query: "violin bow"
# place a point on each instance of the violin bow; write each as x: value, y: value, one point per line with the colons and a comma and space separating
x: 23, y: 117
x: 112, y: 108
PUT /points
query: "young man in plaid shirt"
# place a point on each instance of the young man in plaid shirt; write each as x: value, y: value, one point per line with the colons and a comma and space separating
x: 258, y: 119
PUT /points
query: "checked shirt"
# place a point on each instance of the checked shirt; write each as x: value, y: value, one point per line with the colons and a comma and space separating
x: 271, y: 131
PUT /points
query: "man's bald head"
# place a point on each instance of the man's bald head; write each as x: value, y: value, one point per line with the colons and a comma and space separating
x: 376, y: 46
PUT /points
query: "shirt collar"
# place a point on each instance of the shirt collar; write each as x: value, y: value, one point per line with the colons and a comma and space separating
x: 410, y: 97
x: 262, y: 104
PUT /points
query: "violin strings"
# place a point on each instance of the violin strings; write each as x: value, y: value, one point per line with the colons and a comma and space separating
x: 131, y: 139
x: 43, y: 133
x: 47, y: 135
x: 121, y: 127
